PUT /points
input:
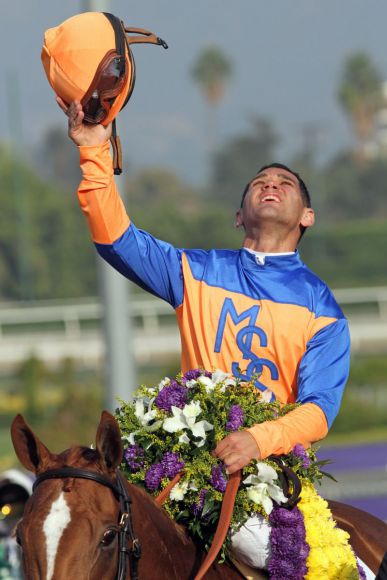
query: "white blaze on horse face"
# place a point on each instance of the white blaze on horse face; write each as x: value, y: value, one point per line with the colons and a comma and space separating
x: 53, y: 527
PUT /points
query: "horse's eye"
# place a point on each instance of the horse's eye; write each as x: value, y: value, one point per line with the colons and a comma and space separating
x: 108, y: 537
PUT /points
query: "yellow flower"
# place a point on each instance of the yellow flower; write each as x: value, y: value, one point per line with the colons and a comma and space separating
x: 330, y: 557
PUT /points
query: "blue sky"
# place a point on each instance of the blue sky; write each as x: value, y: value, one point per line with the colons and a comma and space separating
x: 287, y: 57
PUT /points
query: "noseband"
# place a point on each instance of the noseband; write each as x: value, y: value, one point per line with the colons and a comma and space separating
x: 126, y: 532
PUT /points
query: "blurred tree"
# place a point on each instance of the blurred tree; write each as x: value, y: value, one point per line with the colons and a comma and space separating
x: 31, y: 374
x: 349, y: 254
x: 60, y: 254
x: 360, y: 94
x: 240, y: 158
x: 211, y: 71
x: 179, y: 213
x: 157, y: 185
x: 58, y: 159
x: 350, y: 184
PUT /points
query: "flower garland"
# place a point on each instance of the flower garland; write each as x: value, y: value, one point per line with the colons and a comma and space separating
x: 175, y: 425
x: 330, y: 556
x: 289, y: 549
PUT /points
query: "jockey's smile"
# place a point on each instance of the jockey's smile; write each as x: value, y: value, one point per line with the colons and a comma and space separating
x: 273, y: 211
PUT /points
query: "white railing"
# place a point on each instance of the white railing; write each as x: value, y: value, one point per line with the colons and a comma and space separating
x: 364, y: 296
x: 71, y: 314
x: 58, y: 329
x: 146, y: 309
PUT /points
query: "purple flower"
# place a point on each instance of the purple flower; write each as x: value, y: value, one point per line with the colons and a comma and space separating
x: 197, y: 508
x: 299, y: 451
x: 362, y: 574
x: 171, y: 395
x: 154, y: 476
x: 194, y: 374
x: 289, y: 549
x: 218, y: 479
x: 172, y: 463
x: 235, y: 418
x: 134, y: 455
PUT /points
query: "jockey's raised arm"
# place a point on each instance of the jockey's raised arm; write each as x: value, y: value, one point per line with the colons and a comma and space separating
x: 257, y: 311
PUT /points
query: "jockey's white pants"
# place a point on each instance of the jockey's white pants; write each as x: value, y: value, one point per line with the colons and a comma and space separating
x: 251, y: 545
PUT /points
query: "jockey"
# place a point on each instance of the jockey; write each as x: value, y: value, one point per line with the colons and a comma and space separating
x: 257, y: 311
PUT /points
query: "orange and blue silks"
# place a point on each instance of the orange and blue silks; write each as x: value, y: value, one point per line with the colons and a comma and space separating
x: 275, y: 320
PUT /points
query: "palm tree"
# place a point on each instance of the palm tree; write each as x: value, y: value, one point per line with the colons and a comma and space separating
x: 211, y: 71
x: 360, y: 94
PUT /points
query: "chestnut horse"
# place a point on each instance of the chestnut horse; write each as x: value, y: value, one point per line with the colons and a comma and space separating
x: 85, y: 521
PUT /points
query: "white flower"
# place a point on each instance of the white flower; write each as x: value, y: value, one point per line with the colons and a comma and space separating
x: 146, y: 417
x: 267, y: 396
x: 184, y: 438
x: 207, y: 383
x: 191, y: 383
x: 176, y: 423
x: 130, y: 437
x: 154, y: 426
x: 192, y: 410
x: 262, y: 488
x: 178, y: 492
x: 186, y: 419
x: 266, y: 473
x: 219, y: 376
x: 164, y: 382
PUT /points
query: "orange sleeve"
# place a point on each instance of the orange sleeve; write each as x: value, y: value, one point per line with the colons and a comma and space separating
x: 98, y: 195
x: 304, y: 425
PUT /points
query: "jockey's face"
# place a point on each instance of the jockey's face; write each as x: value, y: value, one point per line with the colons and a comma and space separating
x: 274, y: 199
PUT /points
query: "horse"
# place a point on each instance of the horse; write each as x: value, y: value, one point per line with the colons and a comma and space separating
x: 85, y: 521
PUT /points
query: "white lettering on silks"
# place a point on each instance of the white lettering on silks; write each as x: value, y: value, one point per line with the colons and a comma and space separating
x: 53, y: 527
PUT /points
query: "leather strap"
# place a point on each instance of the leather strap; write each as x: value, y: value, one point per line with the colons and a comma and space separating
x: 117, y: 151
x: 74, y: 472
x: 228, y: 506
x: 224, y: 518
x: 286, y: 475
x: 162, y: 497
x: 223, y: 524
x: 122, y: 38
x: 150, y: 38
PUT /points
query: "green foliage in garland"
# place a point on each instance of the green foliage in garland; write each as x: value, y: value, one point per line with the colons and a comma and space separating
x: 175, y: 426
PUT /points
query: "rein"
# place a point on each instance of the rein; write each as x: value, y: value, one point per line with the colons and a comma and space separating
x: 125, y: 526
x: 288, y: 479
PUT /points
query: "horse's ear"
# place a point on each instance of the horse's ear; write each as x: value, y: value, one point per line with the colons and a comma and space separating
x: 31, y: 452
x: 108, y: 441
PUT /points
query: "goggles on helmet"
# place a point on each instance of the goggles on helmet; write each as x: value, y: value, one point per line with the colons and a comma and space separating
x: 108, y: 82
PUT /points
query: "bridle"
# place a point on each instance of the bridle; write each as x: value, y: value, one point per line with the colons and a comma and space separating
x: 125, y: 526
x: 126, y: 532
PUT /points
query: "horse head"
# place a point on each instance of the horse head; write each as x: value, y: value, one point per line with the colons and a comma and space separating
x: 70, y: 526
x: 80, y: 520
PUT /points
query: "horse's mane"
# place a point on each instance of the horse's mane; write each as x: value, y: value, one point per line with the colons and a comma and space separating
x: 159, y: 514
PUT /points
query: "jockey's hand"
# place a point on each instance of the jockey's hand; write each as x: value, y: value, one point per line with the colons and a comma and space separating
x: 237, y: 450
x: 83, y: 133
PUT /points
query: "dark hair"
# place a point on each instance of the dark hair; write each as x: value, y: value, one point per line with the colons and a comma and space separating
x: 303, y: 189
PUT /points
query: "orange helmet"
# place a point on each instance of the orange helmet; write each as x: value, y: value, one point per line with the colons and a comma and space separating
x: 88, y: 58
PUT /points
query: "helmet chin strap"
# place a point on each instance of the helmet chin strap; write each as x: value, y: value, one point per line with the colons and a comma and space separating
x: 124, y: 40
x: 117, y: 150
